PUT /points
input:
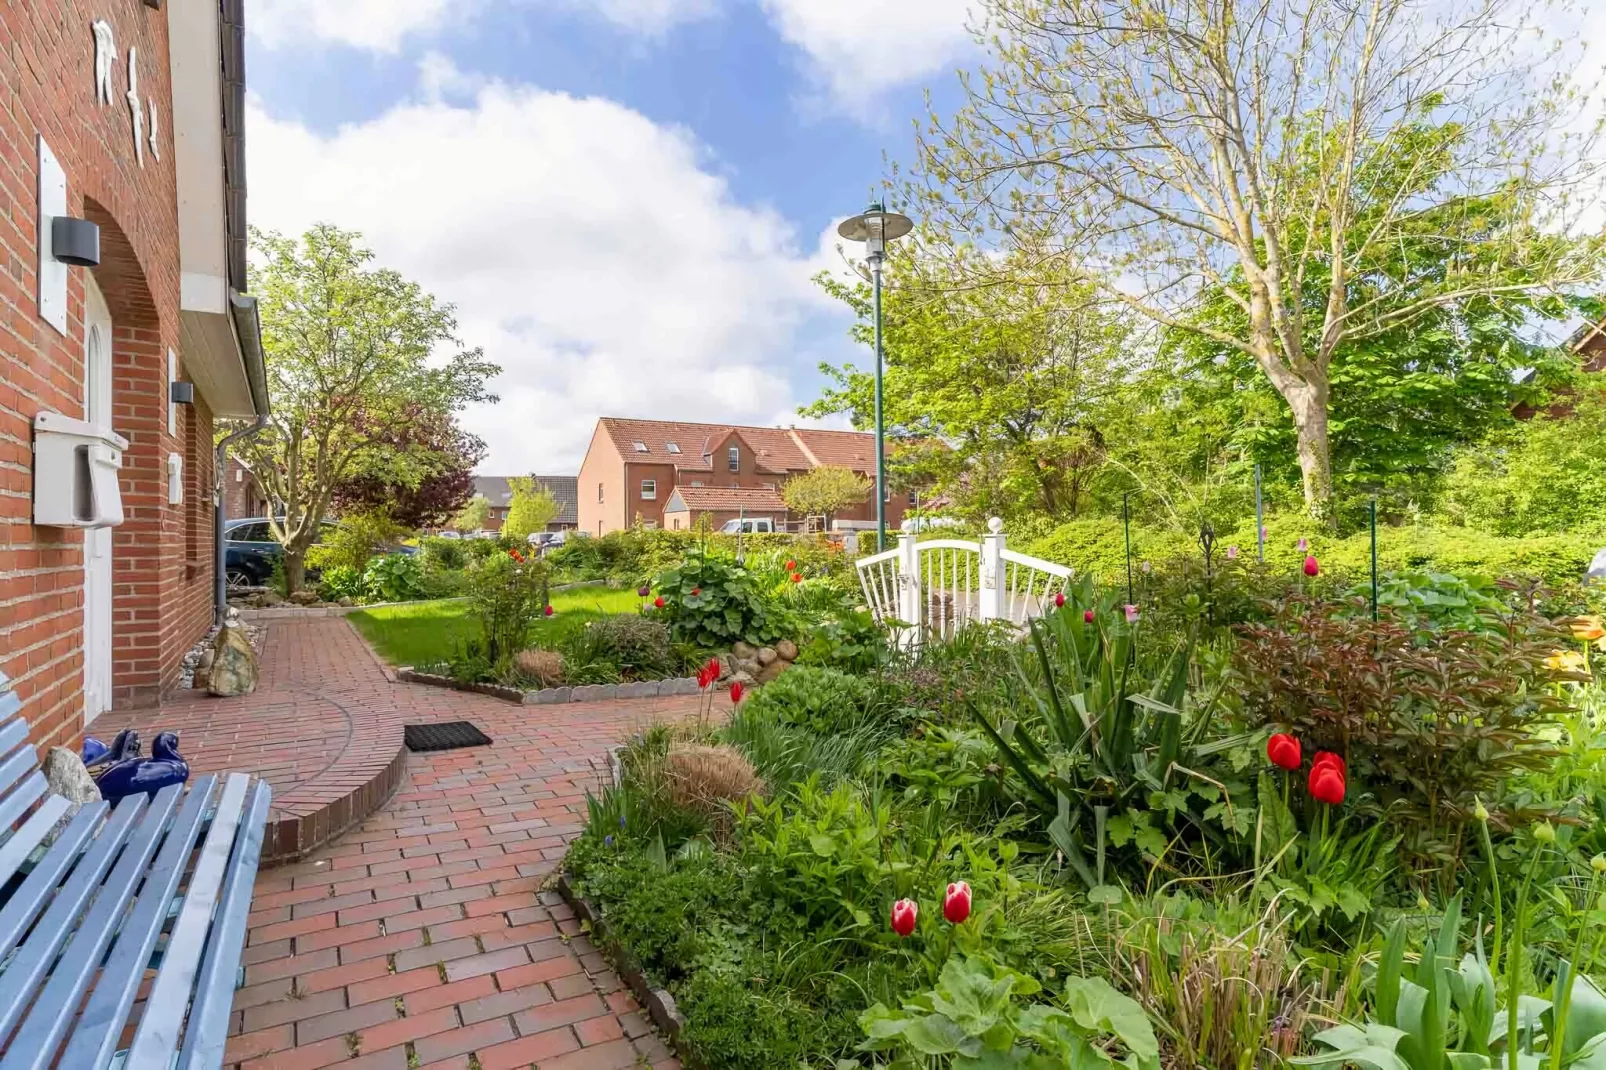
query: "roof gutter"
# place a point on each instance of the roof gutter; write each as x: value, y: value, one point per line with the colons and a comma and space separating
x: 248, y: 328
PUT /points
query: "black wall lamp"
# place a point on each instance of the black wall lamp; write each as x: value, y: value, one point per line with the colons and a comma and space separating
x: 181, y: 393
x: 75, y: 241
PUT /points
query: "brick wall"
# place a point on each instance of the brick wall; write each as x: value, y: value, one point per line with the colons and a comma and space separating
x: 160, y: 599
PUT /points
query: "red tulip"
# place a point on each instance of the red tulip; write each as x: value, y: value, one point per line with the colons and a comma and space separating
x: 797, y: 577
x: 1311, y: 567
x: 956, y: 904
x: 1283, y: 751
x: 696, y: 590
x: 658, y: 603
x: 1327, y: 784
x: 708, y: 674
x: 791, y: 566
x: 736, y: 692
x: 1327, y: 757
x: 904, y: 912
x: 1059, y: 599
x: 549, y: 611
x: 1087, y: 616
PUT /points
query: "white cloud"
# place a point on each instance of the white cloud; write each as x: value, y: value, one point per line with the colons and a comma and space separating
x: 588, y: 250
x: 376, y: 25
x: 858, y: 48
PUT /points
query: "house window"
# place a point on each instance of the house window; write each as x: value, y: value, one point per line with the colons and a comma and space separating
x: 672, y: 447
x: 641, y: 447
x: 696, y: 482
x: 650, y: 525
x: 735, y: 459
x: 914, y: 499
x: 677, y: 523
x: 649, y: 488
x: 599, y: 492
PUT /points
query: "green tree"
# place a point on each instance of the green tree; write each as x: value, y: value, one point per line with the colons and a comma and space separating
x: 1545, y: 476
x: 824, y: 490
x: 1278, y: 154
x: 1014, y: 369
x: 348, y: 348
x: 472, y: 517
x: 531, y: 509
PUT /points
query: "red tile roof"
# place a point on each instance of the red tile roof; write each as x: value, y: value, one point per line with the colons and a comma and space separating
x: 752, y: 499
x: 778, y: 449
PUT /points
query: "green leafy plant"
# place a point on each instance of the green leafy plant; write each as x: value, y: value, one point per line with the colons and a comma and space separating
x: 340, y: 581
x: 393, y: 578
x: 822, y: 700
x: 358, y: 536
x: 637, y: 646
x: 971, y: 1021
x: 507, y: 595
x: 1434, y: 601
x: 713, y: 603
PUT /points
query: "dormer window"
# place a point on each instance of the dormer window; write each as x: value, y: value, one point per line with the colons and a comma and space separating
x: 735, y: 459
x: 641, y: 447
x: 672, y: 447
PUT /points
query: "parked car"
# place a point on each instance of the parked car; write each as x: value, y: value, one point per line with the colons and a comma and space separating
x: 249, y: 551
x: 752, y: 525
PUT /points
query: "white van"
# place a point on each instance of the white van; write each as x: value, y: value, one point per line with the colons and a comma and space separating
x: 752, y: 525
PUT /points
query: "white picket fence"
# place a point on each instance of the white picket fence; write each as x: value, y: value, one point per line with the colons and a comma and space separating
x: 937, y: 586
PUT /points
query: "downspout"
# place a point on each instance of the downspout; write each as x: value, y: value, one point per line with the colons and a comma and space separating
x: 249, y: 330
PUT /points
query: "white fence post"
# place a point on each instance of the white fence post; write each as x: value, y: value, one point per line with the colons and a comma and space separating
x: 909, y: 581
x: 990, y: 604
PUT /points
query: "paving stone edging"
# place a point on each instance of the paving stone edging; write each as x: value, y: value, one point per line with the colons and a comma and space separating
x: 551, y: 695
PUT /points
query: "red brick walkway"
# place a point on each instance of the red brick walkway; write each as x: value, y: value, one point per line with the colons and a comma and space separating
x: 422, y: 938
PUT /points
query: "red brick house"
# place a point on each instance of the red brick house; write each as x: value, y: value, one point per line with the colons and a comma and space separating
x: 633, y: 469
x: 121, y: 120
x: 499, y: 493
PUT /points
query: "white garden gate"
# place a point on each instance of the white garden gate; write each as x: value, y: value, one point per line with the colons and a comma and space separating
x: 937, y: 586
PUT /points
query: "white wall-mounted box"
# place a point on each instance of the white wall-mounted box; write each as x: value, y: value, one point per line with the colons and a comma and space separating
x: 75, y: 468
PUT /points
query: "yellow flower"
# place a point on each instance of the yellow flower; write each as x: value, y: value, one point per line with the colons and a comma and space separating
x: 1587, y: 629
x: 1566, y: 660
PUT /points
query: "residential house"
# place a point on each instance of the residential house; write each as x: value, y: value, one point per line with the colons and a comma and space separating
x: 127, y: 333
x: 499, y: 492
x: 666, y: 474
x: 242, y: 494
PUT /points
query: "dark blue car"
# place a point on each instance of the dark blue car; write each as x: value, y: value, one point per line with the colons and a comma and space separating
x: 249, y: 551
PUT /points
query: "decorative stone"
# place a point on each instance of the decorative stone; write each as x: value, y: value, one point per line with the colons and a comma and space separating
x: 787, y: 650
x: 771, y: 671
x: 304, y: 597
x: 1597, y: 567
x: 743, y: 678
x: 727, y: 665
x: 66, y: 776
x: 234, y: 663
x: 766, y: 655
x: 559, y: 694
x: 207, y: 657
x: 346, y: 602
x: 740, y: 649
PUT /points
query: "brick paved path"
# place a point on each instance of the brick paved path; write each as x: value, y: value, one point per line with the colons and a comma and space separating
x: 422, y: 938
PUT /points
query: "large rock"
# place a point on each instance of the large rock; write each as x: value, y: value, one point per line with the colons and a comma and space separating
x: 741, y: 650
x: 766, y: 655
x: 304, y: 597
x: 771, y: 671
x: 234, y: 663
x: 1597, y: 568
x: 787, y: 650
x: 66, y: 776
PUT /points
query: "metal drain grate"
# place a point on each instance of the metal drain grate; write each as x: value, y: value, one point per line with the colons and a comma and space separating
x: 448, y: 736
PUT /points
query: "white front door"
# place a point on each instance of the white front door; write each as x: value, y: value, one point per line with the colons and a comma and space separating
x: 97, y: 541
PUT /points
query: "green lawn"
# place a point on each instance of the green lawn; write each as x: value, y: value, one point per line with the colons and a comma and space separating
x: 420, y: 632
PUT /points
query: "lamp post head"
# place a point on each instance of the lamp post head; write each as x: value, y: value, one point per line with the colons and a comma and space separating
x: 875, y: 226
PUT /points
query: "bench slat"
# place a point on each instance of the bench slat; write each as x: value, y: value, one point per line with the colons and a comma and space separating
x: 21, y: 767
x: 157, y: 1037
x: 27, y: 968
x: 94, y: 1038
x: 13, y: 733
x: 31, y: 834
x: 207, y: 1032
x: 34, y: 1046
x: 30, y: 898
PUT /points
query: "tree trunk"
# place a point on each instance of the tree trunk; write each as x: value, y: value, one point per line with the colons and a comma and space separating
x: 295, y: 570
x: 1309, y: 404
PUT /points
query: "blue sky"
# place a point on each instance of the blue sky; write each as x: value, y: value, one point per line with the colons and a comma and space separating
x: 625, y: 198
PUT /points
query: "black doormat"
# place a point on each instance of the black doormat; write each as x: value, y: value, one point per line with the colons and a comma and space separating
x: 448, y: 736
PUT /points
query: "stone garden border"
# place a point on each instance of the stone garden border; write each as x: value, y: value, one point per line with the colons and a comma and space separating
x: 548, y: 696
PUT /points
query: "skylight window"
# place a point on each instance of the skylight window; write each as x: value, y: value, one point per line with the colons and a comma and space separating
x: 641, y: 447
x: 672, y: 447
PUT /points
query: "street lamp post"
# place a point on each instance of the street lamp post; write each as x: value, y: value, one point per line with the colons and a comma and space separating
x: 875, y: 227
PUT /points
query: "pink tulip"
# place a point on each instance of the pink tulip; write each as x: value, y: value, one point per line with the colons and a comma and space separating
x: 1232, y: 553
x: 549, y: 611
x: 1087, y: 616
x: 956, y: 904
x: 1304, y: 544
x: 1059, y: 599
x: 1131, y: 614
x: 904, y: 912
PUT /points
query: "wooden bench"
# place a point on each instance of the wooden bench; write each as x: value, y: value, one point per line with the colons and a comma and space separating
x: 120, y: 939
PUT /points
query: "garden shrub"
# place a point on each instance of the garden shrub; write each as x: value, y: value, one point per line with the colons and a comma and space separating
x: 712, y: 602
x: 588, y: 657
x: 354, y: 540
x: 393, y: 578
x: 638, y: 646
x: 340, y: 581
x: 823, y: 701
x: 508, y: 594
x: 444, y: 553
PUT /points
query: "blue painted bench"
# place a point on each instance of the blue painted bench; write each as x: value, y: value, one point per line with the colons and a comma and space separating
x: 155, y: 889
